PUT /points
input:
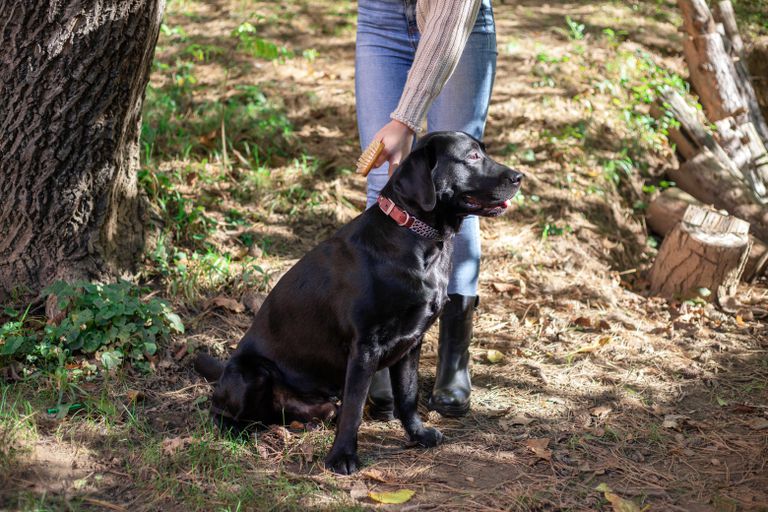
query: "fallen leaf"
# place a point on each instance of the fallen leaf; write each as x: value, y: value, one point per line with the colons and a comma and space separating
x: 603, y: 325
x: 584, y: 322
x: 740, y: 321
x: 494, y: 356
x: 619, y: 504
x: 173, y: 444
x: 359, y: 491
x: 601, y: 342
x: 296, y: 425
x: 520, y: 420
x: 306, y: 452
x: 505, y: 287
x: 539, y: 447
x: 392, y: 497
x: 673, y: 421
x: 179, y: 355
x: 374, y: 474
x: 227, y: 303
x: 758, y: 423
x: 135, y: 395
x: 601, y: 411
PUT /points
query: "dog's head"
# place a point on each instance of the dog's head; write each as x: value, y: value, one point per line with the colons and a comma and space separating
x: 449, y: 174
x: 243, y: 394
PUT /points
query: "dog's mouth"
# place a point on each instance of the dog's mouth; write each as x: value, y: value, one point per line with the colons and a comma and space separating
x: 476, y: 206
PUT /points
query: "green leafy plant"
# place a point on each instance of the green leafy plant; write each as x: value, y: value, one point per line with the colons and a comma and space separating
x: 575, y: 29
x: 257, y: 47
x: 109, y: 322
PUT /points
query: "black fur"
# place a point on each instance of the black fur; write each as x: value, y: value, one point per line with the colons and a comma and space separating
x: 361, y: 301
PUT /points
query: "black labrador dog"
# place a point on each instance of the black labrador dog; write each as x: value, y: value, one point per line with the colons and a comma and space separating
x: 361, y: 301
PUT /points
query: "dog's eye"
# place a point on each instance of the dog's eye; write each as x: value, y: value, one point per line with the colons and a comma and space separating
x: 475, y: 155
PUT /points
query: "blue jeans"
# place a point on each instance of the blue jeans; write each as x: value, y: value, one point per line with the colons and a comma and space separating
x: 387, y: 37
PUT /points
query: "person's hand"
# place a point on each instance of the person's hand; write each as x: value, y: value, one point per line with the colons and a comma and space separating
x: 397, y: 139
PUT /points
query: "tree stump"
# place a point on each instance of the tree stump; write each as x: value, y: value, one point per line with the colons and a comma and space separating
x: 667, y: 210
x: 706, y: 250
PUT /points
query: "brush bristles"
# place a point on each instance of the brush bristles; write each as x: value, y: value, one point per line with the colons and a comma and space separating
x: 369, y: 156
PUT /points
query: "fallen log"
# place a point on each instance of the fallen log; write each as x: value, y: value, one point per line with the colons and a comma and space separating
x: 714, y: 52
x: 692, y: 135
x: 712, y: 72
x: 723, y: 13
x: 707, y: 250
x: 667, y: 210
x: 706, y: 179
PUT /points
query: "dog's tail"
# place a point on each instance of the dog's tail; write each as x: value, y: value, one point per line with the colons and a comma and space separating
x: 209, y: 367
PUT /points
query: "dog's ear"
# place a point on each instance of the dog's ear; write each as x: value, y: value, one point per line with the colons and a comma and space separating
x: 414, y: 182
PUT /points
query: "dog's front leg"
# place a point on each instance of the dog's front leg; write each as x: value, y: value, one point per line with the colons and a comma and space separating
x: 405, y: 388
x: 343, y: 455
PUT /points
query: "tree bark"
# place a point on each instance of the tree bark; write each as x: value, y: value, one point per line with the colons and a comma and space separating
x: 706, y: 250
x: 72, y: 79
x: 667, y: 210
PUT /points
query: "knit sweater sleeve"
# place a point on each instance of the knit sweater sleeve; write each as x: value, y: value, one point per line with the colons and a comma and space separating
x: 447, y: 26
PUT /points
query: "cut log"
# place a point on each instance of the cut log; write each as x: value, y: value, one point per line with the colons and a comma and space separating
x: 706, y: 250
x: 714, y: 52
x: 705, y: 178
x: 757, y: 63
x: 723, y: 12
x: 667, y: 210
x: 692, y: 135
x: 713, y: 76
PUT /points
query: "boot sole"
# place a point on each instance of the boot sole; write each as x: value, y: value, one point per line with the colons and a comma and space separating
x: 449, y: 411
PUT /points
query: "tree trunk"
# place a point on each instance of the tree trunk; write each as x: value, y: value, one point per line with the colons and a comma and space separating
x: 72, y: 78
x: 706, y: 250
x: 667, y: 210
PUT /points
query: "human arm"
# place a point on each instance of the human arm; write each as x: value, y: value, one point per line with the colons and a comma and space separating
x: 445, y: 27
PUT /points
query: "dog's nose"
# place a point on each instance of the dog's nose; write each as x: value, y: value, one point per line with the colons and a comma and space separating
x: 514, y: 177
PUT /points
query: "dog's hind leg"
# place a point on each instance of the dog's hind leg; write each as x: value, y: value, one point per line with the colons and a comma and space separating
x: 343, y: 455
x: 405, y: 387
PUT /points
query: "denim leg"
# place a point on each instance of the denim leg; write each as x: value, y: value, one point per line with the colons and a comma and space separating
x: 463, y: 106
x: 384, y: 51
x: 385, y: 47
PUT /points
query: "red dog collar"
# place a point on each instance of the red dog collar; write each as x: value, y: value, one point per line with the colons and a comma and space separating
x: 406, y: 220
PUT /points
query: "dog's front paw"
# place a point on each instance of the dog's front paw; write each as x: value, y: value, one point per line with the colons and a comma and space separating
x: 343, y: 464
x: 427, y: 437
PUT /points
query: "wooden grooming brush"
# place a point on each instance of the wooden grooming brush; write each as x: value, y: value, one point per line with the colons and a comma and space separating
x: 369, y: 156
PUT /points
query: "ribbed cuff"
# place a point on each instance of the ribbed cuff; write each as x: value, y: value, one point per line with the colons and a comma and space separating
x: 412, y: 108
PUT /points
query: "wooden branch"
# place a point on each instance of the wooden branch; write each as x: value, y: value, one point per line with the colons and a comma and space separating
x: 706, y: 250
x: 667, y: 210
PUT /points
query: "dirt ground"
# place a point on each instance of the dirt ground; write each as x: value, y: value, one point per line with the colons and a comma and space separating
x: 597, y: 383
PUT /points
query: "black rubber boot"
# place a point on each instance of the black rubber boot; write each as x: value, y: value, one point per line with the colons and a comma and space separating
x: 381, y: 403
x: 450, y: 396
